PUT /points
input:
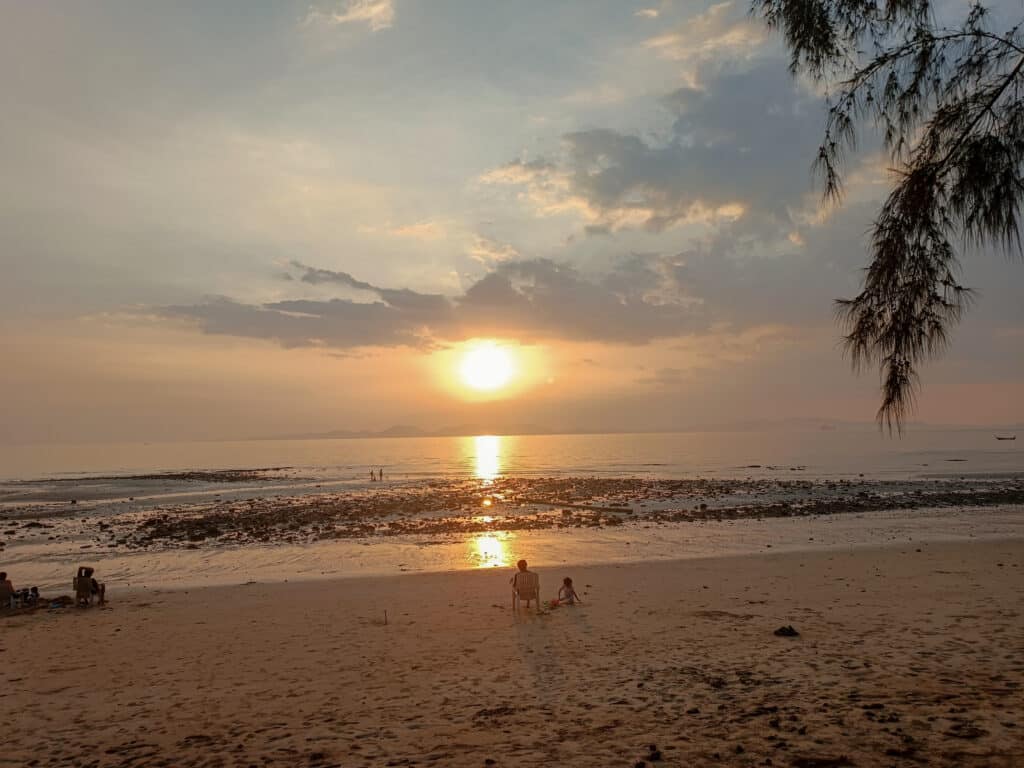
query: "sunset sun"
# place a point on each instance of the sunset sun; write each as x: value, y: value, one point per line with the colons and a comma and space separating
x: 486, y: 367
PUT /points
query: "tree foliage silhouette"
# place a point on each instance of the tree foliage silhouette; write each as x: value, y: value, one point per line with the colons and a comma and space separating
x: 946, y: 98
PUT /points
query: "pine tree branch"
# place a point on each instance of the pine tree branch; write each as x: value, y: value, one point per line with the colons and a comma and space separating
x: 942, y: 164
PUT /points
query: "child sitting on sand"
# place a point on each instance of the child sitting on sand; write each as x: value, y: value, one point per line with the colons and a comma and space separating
x: 567, y: 594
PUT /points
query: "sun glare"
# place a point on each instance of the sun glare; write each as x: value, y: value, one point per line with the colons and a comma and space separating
x: 486, y: 367
x: 487, y: 450
x: 489, y: 551
x: 482, y: 369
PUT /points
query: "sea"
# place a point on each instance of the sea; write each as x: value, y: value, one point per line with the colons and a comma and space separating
x: 816, y: 454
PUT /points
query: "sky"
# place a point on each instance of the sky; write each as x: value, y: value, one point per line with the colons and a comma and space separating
x: 254, y: 218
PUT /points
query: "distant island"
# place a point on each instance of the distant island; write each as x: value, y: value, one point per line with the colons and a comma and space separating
x: 405, y: 430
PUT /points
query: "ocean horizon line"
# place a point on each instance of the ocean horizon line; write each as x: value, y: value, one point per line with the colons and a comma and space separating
x: 785, y: 425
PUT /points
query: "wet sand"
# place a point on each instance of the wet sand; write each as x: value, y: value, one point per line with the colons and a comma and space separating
x: 907, y: 655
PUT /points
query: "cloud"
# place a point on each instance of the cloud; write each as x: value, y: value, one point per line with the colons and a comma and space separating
x: 720, y: 30
x: 541, y: 298
x: 488, y: 251
x: 337, y: 324
x: 739, y: 148
x: 424, y: 230
x: 635, y: 303
x: 641, y: 202
x: 378, y: 14
x: 648, y: 13
x: 315, y: 276
x: 547, y: 188
x: 424, y: 308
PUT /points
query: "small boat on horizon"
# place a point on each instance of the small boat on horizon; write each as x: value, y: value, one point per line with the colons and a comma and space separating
x: 1006, y: 437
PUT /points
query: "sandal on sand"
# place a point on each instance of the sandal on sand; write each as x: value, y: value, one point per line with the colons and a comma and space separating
x: 787, y: 631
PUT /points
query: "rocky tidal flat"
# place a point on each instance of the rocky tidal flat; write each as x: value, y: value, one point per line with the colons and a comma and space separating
x: 444, y: 507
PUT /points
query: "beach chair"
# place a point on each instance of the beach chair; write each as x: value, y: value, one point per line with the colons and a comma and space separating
x: 526, y: 586
x: 82, y: 584
x: 83, y: 590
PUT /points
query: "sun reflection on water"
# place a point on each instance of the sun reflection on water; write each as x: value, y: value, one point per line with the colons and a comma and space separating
x: 488, y: 456
x: 489, y: 551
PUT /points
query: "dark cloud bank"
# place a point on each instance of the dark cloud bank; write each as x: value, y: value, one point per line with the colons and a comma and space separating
x: 641, y: 299
x: 533, y: 299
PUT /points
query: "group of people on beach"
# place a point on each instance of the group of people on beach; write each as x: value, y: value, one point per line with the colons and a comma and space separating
x: 526, y: 589
x: 377, y: 476
x: 85, y: 585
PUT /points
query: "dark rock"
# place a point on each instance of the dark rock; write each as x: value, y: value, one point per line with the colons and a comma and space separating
x: 821, y: 762
x: 966, y: 731
x: 908, y: 752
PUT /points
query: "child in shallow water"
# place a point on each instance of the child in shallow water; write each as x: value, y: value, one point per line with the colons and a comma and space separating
x: 567, y: 594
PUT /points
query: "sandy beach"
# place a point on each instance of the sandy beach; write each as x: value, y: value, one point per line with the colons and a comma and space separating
x: 907, y: 655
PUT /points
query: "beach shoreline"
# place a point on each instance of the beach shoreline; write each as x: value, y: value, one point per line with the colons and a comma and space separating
x: 907, y: 652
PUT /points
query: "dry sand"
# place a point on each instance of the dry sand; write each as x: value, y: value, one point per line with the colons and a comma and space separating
x: 905, y: 657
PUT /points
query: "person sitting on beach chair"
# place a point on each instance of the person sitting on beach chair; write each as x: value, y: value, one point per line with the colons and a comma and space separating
x: 525, y: 586
x: 86, y: 587
x: 6, y: 591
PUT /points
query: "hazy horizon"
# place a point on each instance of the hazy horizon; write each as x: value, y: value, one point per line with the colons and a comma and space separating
x: 222, y: 222
x: 412, y: 432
